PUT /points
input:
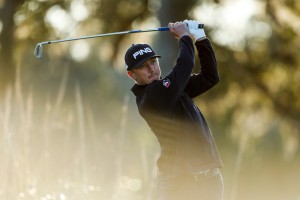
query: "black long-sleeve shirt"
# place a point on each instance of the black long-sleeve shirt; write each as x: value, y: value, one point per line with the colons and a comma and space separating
x: 186, y: 142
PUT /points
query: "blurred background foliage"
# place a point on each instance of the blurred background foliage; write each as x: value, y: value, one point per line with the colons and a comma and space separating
x: 69, y: 124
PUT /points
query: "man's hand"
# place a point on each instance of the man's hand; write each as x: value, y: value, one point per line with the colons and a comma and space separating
x: 197, y: 33
x: 179, y: 29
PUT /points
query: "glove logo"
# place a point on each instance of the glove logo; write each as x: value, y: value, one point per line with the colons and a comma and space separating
x: 166, y: 83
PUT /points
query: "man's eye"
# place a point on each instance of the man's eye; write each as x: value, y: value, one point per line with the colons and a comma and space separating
x: 153, y: 61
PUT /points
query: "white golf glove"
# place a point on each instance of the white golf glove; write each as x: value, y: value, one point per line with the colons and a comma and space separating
x: 194, y: 30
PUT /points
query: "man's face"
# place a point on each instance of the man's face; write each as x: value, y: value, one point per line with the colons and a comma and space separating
x: 148, y: 72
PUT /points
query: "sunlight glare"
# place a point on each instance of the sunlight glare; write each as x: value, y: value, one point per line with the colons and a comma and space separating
x: 129, y: 183
x: 79, y: 11
x: 236, y: 13
x: 62, y: 196
x: 33, y: 6
x: 230, y: 21
x: 32, y: 191
x: 22, y: 195
x: 80, y: 50
x: 59, y: 19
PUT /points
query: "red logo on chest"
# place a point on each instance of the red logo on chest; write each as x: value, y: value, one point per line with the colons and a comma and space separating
x: 166, y: 83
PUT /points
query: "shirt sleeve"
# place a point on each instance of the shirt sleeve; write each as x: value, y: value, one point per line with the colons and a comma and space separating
x: 164, y: 93
x: 181, y: 72
x: 208, y: 75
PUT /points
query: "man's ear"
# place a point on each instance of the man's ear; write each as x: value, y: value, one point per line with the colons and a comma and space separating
x: 131, y: 74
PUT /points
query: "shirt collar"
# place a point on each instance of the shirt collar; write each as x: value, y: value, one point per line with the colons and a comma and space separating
x: 138, y: 89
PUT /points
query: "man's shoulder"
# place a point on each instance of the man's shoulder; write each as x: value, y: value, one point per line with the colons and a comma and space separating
x: 154, y: 94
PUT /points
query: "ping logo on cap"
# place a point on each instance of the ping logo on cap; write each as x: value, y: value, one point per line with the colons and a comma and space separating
x: 142, y: 51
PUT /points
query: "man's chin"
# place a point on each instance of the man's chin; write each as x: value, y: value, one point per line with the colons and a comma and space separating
x: 153, y: 79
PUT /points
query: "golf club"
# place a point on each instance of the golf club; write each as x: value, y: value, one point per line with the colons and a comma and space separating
x: 38, y: 51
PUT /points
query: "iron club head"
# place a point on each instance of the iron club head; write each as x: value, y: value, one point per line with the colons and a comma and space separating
x: 38, y: 51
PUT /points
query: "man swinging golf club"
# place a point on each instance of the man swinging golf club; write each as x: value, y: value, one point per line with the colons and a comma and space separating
x: 189, y: 162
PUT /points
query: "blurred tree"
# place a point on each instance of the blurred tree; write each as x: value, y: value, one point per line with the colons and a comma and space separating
x: 7, y: 11
x: 15, y: 15
x: 116, y: 15
x: 263, y: 75
x: 258, y: 95
x: 268, y: 66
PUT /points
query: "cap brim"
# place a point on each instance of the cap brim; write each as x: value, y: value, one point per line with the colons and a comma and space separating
x: 142, y: 61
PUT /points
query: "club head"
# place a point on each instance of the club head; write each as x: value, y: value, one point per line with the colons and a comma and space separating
x: 38, y: 51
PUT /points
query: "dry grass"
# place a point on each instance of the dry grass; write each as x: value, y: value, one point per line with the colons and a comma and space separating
x: 63, y: 150
x: 51, y: 150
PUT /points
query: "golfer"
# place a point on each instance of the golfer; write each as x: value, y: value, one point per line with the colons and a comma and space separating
x: 189, y: 162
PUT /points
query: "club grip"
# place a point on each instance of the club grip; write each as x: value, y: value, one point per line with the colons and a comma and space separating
x: 200, y: 26
x: 163, y: 29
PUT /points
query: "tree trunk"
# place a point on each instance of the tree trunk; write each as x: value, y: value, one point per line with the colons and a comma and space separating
x: 7, y: 65
x: 166, y: 45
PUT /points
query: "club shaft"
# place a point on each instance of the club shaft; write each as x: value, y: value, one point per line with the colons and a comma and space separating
x: 102, y: 35
x: 110, y: 34
x: 38, y: 49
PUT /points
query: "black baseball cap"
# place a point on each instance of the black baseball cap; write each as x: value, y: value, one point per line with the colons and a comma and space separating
x: 137, y: 54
